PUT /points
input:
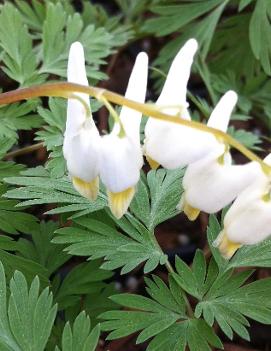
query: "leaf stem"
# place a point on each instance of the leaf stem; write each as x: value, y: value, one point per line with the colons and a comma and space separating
x: 67, y: 90
x: 24, y: 150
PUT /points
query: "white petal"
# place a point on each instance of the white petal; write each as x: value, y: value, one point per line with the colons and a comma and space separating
x: 221, y: 114
x: 76, y: 72
x: 121, y: 161
x: 76, y: 65
x: 267, y: 159
x: 210, y: 186
x: 250, y: 222
x: 136, y: 91
x: 174, y: 146
x: 82, y: 154
x: 169, y: 144
x: 174, y: 90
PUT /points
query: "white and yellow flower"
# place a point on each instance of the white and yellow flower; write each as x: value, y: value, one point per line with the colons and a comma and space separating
x: 81, y: 147
x: 117, y: 157
x: 168, y: 144
x: 121, y: 154
x: 213, y: 182
x: 248, y: 221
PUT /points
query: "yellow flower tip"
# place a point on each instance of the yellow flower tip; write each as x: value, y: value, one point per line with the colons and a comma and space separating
x: 119, y: 202
x: 87, y: 189
x: 226, y: 247
x: 153, y: 164
x: 191, y: 213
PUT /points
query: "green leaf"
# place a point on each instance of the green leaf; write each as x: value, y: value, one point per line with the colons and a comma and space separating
x: 213, y: 230
x: 157, y: 198
x: 99, y: 301
x: 31, y: 315
x: 204, y: 30
x: 52, y: 135
x: 186, y: 278
x: 248, y: 139
x: 16, y: 117
x: 260, y: 34
x: 194, y: 333
x: 29, y: 268
x: 200, y: 336
x: 60, y: 29
x: 174, y: 17
x: 161, y: 318
x: 227, y: 38
x: 12, y: 220
x: 85, y: 278
x: 228, y: 302
x: 152, y: 316
x: 19, y: 57
x: 7, y: 340
x: 10, y: 169
x: 243, y: 4
x: 55, y: 117
x: 27, y: 318
x: 33, y: 15
x: 253, y: 255
x: 96, y: 239
x: 40, y: 249
x: 80, y: 337
x: 37, y: 187
x: 197, y: 279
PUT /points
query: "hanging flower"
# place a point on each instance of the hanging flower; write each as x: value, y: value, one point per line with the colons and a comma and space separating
x: 173, y: 145
x: 213, y: 182
x: 117, y: 157
x: 121, y: 154
x: 81, y: 147
x: 248, y: 221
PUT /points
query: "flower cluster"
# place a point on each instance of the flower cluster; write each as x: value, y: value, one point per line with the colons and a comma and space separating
x: 115, y: 158
x: 211, y: 180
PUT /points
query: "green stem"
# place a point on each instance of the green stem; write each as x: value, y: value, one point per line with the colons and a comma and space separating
x: 114, y: 114
x: 67, y: 90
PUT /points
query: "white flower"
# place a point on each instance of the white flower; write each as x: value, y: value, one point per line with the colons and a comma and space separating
x: 121, y: 155
x: 81, y: 147
x: 117, y: 157
x: 248, y: 221
x: 169, y: 144
x: 213, y: 182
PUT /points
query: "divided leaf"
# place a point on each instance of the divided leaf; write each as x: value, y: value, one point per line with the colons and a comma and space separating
x: 151, y: 315
x: 80, y: 337
x: 27, y: 318
x: 96, y: 239
x: 229, y: 302
x: 157, y: 196
x: 162, y: 318
x: 37, y: 187
x: 85, y: 278
x: 19, y: 58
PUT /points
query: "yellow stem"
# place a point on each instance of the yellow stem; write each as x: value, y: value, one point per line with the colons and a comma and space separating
x: 67, y: 90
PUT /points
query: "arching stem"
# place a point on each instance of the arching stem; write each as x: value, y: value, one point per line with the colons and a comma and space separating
x: 68, y: 90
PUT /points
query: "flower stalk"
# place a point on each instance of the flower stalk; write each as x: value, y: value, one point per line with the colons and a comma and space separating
x: 66, y: 90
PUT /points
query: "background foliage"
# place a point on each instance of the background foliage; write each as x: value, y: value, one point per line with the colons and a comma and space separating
x: 61, y: 254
